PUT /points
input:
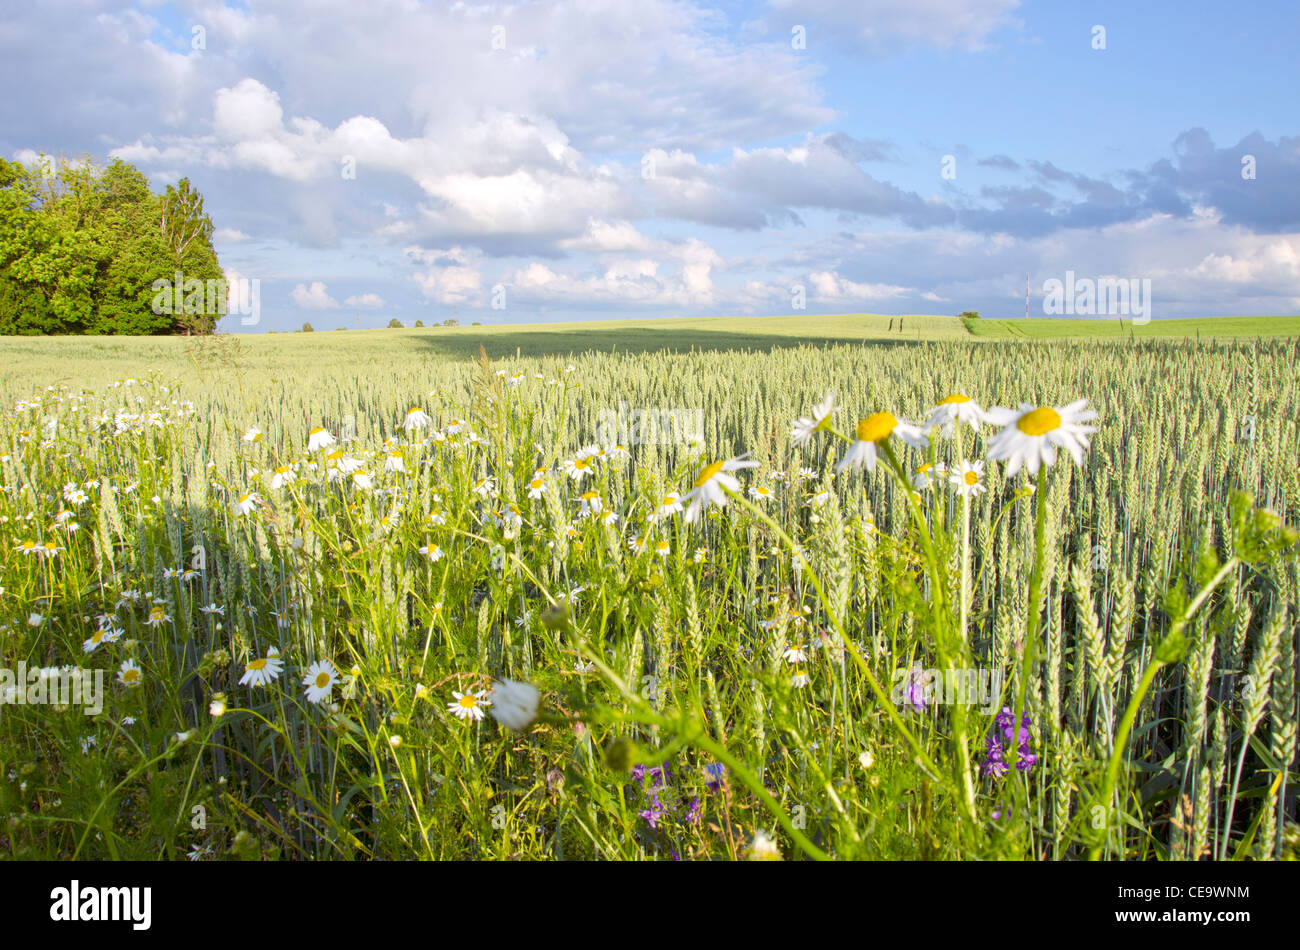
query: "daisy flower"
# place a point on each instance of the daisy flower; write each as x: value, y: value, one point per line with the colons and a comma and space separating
x: 662, y: 548
x: 254, y: 434
x: 576, y: 468
x: 591, y: 503
x: 261, y: 671
x: 796, y: 654
x: 536, y: 487
x: 1031, y: 436
x: 363, y: 479
x: 35, y: 620
x: 318, y: 438
x: 395, y: 462
x: 129, y: 674
x: 281, y: 475
x: 967, y: 478
x: 760, y: 492
x: 27, y: 547
x: 107, y: 634
x: 763, y: 848
x: 669, y: 505
x: 921, y: 477
x: 246, y: 503
x: 157, y: 616
x: 211, y: 609
x: 484, y: 486
x: 637, y: 544
x: 469, y: 705
x: 319, y: 680
x: 712, y: 485
x: 416, y: 418
x: 874, y: 430
x: 801, y: 432
x: 800, y: 679
x: 432, y: 552
x: 953, y: 411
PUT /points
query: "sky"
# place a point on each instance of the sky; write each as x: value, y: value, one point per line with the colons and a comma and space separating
x: 514, y: 163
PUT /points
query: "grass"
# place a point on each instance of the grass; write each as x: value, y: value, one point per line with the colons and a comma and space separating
x: 758, y: 681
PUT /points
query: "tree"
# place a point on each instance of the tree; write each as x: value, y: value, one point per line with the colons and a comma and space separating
x: 91, y: 249
x: 307, y: 328
x: 419, y: 323
x: 395, y: 324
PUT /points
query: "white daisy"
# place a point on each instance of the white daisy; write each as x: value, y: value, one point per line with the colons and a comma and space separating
x: 129, y: 674
x: 1031, y: 436
x: 416, y: 418
x: 319, y: 680
x: 281, y: 475
x: 469, y: 705
x: 246, y: 502
x: 874, y: 430
x: 318, y: 438
x: 796, y: 654
x: 536, y: 487
x: 760, y: 492
x: 954, y: 410
x: 394, y: 462
x: 432, y: 552
x: 712, y: 485
x: 261, y: 671
x: 669, y: 505
x: 253, y: 434
x: 968, y: 477
x: 804, y: 427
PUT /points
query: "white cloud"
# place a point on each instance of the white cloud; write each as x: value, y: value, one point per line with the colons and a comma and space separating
x: 314, y: 297
x: 364, y: 301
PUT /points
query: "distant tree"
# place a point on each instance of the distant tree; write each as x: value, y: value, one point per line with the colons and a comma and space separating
x: 419, y: 323
x: 308, y: 328
x: 476, y: 324
x: 451, y: 322
x: 395, y: 324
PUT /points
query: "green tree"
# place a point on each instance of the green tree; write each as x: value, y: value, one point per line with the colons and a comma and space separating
x: 85, y: 249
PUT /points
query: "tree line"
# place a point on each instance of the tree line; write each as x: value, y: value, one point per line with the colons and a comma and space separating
x: 87, y: 248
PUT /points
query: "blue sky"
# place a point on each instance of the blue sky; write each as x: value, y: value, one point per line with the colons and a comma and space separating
x: 657, y: 158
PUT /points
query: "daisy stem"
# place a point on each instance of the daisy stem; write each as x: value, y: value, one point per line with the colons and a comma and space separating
x: 1031, y: 625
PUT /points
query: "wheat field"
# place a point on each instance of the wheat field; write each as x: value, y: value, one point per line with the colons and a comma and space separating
x: 370, y: 598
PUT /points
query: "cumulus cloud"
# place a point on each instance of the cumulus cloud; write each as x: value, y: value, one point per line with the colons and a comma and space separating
x: 314, y: 297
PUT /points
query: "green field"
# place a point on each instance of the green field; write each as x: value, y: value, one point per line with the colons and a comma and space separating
x: 782, y: 675
x: 81, y: 360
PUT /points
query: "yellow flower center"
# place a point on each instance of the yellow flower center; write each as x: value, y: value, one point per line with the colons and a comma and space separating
x: 924, y: 468
x: 971, y: 478
x: 708, y: 473
x: 535, y: 484
x: 98, y: 635
x: 130, y: 676
x: 1039, y: 422
x: 156, y: 613
x: 579, y: 463
x: 257, y: 664
x: 322, y: 679
x: 415, y: 409
x: 468, y: 701
x: 954, y: 398
x: 589, y: 495
x: 876, y: 427
x: 281, y: 469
